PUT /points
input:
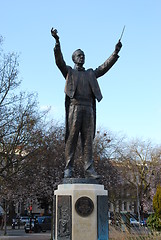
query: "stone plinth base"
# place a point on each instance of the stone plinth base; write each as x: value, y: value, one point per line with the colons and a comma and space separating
x: 81, y: 212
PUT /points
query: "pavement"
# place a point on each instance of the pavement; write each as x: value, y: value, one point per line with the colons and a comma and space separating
x: 28, y: 237
x: 19, y: 234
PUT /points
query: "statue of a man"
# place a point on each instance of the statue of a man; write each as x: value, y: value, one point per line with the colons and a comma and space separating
x: 81, y: 91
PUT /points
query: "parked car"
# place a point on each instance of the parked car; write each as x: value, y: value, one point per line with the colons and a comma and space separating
x: 44, y: 223
x: 134, y: 222
x: 24, y: 219
x: 29, y: 225
x: 38, y: 224
x: 143, y: 222
x: 15, y: 223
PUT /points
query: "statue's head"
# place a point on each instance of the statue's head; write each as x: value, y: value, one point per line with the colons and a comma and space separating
x: 78, y: 57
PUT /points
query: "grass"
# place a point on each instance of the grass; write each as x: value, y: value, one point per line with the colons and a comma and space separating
x: 136, y: 234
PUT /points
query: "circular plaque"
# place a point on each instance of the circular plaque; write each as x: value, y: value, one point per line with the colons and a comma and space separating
x: 84, y: 206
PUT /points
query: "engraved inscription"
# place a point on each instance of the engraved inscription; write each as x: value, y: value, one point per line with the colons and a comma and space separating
x: 102, y: 217
x: 64, y: 217
x: 84, y: 206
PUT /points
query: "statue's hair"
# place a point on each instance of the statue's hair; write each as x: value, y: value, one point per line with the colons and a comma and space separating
x: 75, y: 52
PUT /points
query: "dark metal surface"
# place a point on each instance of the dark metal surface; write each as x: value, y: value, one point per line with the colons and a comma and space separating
x: 54, y: 219
x: 82, y: 90
x: 80, y: 181
x: 102, y: 217
x: 84, y: 206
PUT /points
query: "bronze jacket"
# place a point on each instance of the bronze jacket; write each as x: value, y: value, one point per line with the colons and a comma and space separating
x: 71, y: 75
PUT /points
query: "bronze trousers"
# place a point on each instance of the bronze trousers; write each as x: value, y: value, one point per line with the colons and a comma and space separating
x: 80, y: 121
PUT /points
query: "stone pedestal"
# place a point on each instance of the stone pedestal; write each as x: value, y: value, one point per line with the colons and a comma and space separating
x: 81, y: 212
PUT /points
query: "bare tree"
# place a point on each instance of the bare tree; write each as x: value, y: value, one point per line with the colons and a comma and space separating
x: 141, y: 163
x: 20, y: 120
x: 43, y: 170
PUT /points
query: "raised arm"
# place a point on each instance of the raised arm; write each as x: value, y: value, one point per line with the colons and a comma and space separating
x: 102, y: 69
x: 58, y: 54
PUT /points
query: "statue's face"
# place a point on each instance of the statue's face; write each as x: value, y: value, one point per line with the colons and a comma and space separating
x: 79, y: 58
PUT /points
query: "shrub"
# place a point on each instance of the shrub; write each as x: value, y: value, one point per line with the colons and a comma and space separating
x: 154, y: 222
x: 157, y: 202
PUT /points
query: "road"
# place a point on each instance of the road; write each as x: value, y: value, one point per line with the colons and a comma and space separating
x: 19, y: 234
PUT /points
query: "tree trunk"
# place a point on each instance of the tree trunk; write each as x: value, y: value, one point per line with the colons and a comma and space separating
x: 5, y: 217
x: 52, y: 219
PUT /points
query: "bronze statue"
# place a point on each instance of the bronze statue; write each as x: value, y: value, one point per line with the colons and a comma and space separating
x: 81, y: 91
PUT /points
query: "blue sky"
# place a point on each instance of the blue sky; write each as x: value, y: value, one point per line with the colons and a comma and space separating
x: 131, y: 89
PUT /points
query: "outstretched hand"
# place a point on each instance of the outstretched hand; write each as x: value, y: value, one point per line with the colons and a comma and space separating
x: 54, y: 34
x: 118, y: 47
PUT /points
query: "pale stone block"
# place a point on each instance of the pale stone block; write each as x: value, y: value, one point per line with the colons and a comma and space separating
x: 83, y: 227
